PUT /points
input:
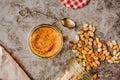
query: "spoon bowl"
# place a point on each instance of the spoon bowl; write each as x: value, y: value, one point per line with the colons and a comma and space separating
x: 66, y: 22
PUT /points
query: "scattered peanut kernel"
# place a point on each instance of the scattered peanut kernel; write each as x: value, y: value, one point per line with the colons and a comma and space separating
x: 111, y: 45
x: 108, y: 57
x: 86, y: 28
x: 90, y: 39
x: 95, y: 76
x: 95, y: 43
x: 97, y: 62
x: 110, y: 61
x: 115, y: 47
x: 80, y: 32
x: 90, y: 43
x: 87, y: 49
x: 77, y: 37
x: 114, y: 42
x: 99, y: 45
x: 93, y: 29
x: 91, y: 33
x: 108, y: 43
x: 102, y: 58
x: 86, y: 35
x: 94, y: 63
x: 90, y: 27
x: 97, y: 40
x: 88, y: 67
x: 71, y: 43
x: 90, y: 57
x: 85, y: 25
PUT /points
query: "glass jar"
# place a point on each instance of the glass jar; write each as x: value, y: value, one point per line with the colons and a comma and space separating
x: 74, y: 71
x: 45, y: 26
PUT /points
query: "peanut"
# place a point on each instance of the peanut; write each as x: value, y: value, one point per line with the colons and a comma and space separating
x: 88, y: 67
x: 118, y: 54
x: 81, y: 42
x: 107, y: 53
x: 85, y: 25
x: 86, y: 28
x: 94, y: 63
x: 96, y: 58
x: 114, y: 42
x: 89, y: 46
x: 90, y: 27
x: 96, y: 54
x: 99, y: 45
x: 86, y: 35
x: 97, y: 62
x: 115, y: 47
x: 118, y: 49
x: 84, y: 52
x: 77, y: 53
x: 90, y: 43
x: 87, y: 49
x: 104, y: 45
x: 99, y: 49
x: 74, y: 46
x: 71, y: 43
x: 79, y: 45
x: 80, y: 56
x: 119, y: 57
x: 93, y: 29
x: 104, y: 48
x: 80, y: 32
x: 102, y: 57
x: 90, y: 52
x: 114, y: 52
x: 95, y: 43
x: 108, y: 57
x: 111, y: 45
x: 114, y: 58
x: 91, y: 65
x: 77, y: 37
x: 83, y: 63
x: 110, y: 61
x: 91, y: 33
x: 97, y: 40
x: 116, y: 61
x: 86, y: 41
x: 90, y: 39
x: 82, y: 37
x: 108, y: 43
x: 95, y: 77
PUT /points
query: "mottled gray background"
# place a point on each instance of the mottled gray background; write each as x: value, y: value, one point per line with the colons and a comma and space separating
x: 14, y: 31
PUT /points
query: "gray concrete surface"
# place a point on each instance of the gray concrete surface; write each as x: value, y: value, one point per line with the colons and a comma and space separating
x: 14, y: 31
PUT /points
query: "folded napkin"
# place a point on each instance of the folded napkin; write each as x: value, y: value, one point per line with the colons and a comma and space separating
x: 9, y: 69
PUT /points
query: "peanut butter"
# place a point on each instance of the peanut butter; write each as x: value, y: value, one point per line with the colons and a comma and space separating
x: 45, y: 41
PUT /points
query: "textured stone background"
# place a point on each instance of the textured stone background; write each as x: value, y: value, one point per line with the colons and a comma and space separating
x: 14, y: 30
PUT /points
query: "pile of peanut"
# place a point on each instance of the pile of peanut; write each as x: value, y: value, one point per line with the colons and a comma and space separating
x: 90, y: 51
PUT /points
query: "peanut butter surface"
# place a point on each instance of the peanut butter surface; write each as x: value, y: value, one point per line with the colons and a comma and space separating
x: 45, y: 41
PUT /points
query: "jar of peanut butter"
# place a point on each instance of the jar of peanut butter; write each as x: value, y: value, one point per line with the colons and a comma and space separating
x: 45, y: 41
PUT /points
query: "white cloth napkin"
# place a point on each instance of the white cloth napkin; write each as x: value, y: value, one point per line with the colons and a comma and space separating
x: 9, y: 69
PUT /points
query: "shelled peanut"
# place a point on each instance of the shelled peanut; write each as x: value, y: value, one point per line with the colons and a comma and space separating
x: 90, y: 51
x: 116, y: 52
x: 95, y: 77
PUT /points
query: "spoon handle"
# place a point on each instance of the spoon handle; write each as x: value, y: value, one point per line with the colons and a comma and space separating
x: 27, y: 11
x: 47, y: 15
